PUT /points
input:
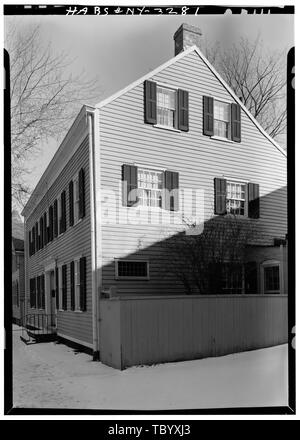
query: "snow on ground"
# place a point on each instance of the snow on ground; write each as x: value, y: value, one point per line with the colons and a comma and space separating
x: 52, y: 375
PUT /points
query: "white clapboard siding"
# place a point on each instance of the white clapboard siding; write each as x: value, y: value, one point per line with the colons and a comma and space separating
x: 125, y: 138
x: 75, y: 241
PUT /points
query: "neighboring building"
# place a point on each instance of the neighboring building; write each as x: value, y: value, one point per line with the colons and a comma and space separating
x: 18, y: 280
x: 97, y: 263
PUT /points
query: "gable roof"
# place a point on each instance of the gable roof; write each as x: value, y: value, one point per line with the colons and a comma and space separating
x: 212, y: 69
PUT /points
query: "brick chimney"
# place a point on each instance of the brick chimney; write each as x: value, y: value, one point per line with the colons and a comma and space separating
x: 186, y: 36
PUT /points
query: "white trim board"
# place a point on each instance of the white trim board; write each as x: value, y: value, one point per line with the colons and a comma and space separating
x: 212, y: 69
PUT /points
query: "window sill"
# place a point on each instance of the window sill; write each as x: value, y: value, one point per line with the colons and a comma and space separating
x: 165, y: 127
x: 220, y: 138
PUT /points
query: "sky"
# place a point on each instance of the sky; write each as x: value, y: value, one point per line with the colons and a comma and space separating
x: 117, y: 50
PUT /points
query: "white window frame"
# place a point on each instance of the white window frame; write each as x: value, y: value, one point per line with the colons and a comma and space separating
x: 77, y: 284
x: 76, y: 199
x: 175, y: 124
x: 271, y: 263
x: 60, y: 293
x: 238, y: 182
x: 151, y: 170
x: 217, y: 136
x: 58, y: 215
x: 120, y: 277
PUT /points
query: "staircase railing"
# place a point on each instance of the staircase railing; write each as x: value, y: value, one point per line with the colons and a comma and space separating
x: 38, y: 324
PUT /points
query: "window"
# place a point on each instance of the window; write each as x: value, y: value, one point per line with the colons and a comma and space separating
x: 16, y: 293
x: 232, y: 278
x: 77, y: 284
x: 150, y: 185
x: 222, y: 119
x: 271, y: 279
x: 132, y: 269
x: 32, y: 285
x: 236, y: 198
x: 60, y: 284
x: 166, y: 107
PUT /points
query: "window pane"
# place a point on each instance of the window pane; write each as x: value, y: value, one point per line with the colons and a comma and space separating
x: 166, y: 105
x: 150, y: 185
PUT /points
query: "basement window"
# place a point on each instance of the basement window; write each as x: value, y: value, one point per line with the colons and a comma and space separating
x: 137, y: 269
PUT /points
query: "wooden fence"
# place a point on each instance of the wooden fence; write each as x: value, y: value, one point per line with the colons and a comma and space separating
x: 147, y: 330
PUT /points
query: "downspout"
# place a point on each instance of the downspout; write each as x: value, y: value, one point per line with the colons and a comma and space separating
x: 91, y: 125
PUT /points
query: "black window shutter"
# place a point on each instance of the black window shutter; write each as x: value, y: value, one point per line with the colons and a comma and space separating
x: 183, y: 110
x: 63, y: 220
x: 208, y: 115
x: 71, y: 204
x: 57, y: 287
x: 172, y: 190
x: 82, y: 283
x: 41, y: 233
x: 45, y: 229
x: 235, y: 122
x: 64, y: 287
x: 72, y: 284
x: 42, y: 291
x: 30, y: 243
x: 251, y: 278
x: 81, y: 184
x: 38, y: 292
x: 129, y: 182
x: 220, y: 196
x: 150, y: 104
x: 253, y: 200
x: 55, y: 219
x: 37, y: 236
x: 51, y: 223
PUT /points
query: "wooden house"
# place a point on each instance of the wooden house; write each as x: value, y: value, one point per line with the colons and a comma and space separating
x: 177, y: 144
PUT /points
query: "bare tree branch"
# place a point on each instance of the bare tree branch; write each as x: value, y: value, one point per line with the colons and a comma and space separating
x: 257, y: 77
x: 45, y: 98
